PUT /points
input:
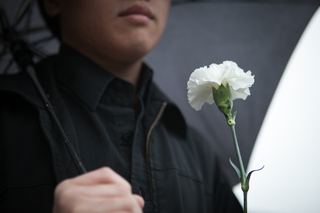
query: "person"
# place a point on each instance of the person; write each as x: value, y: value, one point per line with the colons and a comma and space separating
x: 139, y: 153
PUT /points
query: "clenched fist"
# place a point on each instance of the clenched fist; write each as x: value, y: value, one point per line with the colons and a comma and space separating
x: 101, y: 190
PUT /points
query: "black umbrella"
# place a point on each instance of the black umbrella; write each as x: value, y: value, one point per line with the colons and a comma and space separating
x: 258, y: 35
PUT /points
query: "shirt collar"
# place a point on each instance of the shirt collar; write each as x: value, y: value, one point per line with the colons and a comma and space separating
x: 87, y: 79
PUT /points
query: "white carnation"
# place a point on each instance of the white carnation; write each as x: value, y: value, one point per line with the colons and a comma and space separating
x: 203, y: 79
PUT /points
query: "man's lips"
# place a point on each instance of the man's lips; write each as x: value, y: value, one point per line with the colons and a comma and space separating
x: 137, y: 10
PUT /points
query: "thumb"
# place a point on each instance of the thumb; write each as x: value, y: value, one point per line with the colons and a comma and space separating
x: 139, y: 200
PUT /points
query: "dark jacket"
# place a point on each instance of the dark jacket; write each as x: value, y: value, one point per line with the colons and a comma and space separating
x: 184, y: 172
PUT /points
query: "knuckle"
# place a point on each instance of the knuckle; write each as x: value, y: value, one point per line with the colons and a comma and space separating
x: 67, y: 194
x: 129, y: 203
x: 61, y: 187
x: 66, y: 198
x: 106, y: 171
x: 127, y: 186
x: 123, y: 190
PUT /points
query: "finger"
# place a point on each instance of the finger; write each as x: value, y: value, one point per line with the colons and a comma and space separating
x: 139, y: 211
x: 95, y: 198
x: 100, y: 176
x: 102, y: 190
x: 123, y: 204
x: 128, y: 203
x: 139, y: 200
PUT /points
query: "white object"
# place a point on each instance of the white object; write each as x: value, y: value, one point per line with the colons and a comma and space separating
x: 204, y: 78
x: 288, y: 143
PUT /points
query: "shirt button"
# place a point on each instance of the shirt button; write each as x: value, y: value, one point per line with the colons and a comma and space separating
x: 141, y: 192
x: 126, y: 136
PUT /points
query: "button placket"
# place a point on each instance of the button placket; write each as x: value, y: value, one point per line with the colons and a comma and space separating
x: 141, y: 192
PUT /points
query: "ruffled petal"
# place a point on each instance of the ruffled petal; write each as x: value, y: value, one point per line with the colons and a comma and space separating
x: 203, y: 79
x: 198, y: 95
x: 243, y: 81
x: 205, y: 76
x: 240, y: 93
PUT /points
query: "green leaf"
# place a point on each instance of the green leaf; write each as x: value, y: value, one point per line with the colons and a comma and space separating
x: 235, y: 168
x: 249, y: 175
x: 234, y: 115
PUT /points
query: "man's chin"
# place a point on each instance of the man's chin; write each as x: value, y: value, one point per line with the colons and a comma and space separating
x: 136, y: 50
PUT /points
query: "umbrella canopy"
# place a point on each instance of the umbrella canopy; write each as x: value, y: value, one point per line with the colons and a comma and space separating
x: 288, y: 143
x: 258, y: 36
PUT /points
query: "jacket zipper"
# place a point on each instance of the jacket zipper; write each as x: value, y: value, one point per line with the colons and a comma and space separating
x: 147, y: 151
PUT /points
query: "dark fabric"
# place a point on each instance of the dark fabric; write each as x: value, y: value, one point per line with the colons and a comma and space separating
x: 114, y: 121
x: 181, y: 169
x: 26, y: 166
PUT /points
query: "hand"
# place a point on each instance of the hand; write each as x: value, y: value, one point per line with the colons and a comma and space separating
x: 101, y: 190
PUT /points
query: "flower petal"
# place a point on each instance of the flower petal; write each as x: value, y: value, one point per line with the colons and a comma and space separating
x: 203, y: 79
x: 199, y: 90
x: 199, y: 95
x: 243, y: 81
x: 240, y: 93
x: 205, y: 76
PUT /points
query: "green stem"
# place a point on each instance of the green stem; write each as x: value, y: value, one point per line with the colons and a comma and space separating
x: 245, y: 206
x: 243, y: 177
x: 236, y: 145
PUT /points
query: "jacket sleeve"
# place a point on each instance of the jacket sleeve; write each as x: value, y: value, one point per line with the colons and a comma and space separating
x: 26, y: 179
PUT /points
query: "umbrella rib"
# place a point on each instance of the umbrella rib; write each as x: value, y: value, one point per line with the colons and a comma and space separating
x: 27, y: 22
x: 4, y: 18
x: 36, y: 29
x: 21, y: 12
x: 3, y: 51
x: 43, y: 40
x: 8, y: 66
x: 37, y: 52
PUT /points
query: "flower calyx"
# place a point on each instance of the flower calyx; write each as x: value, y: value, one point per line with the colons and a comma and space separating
x: 223, y: 99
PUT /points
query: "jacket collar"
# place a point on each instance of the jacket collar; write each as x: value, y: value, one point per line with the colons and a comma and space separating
x: 172, y: 116
x: 81, y: 75
x: 87, y: 80
x: 22, y: 85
